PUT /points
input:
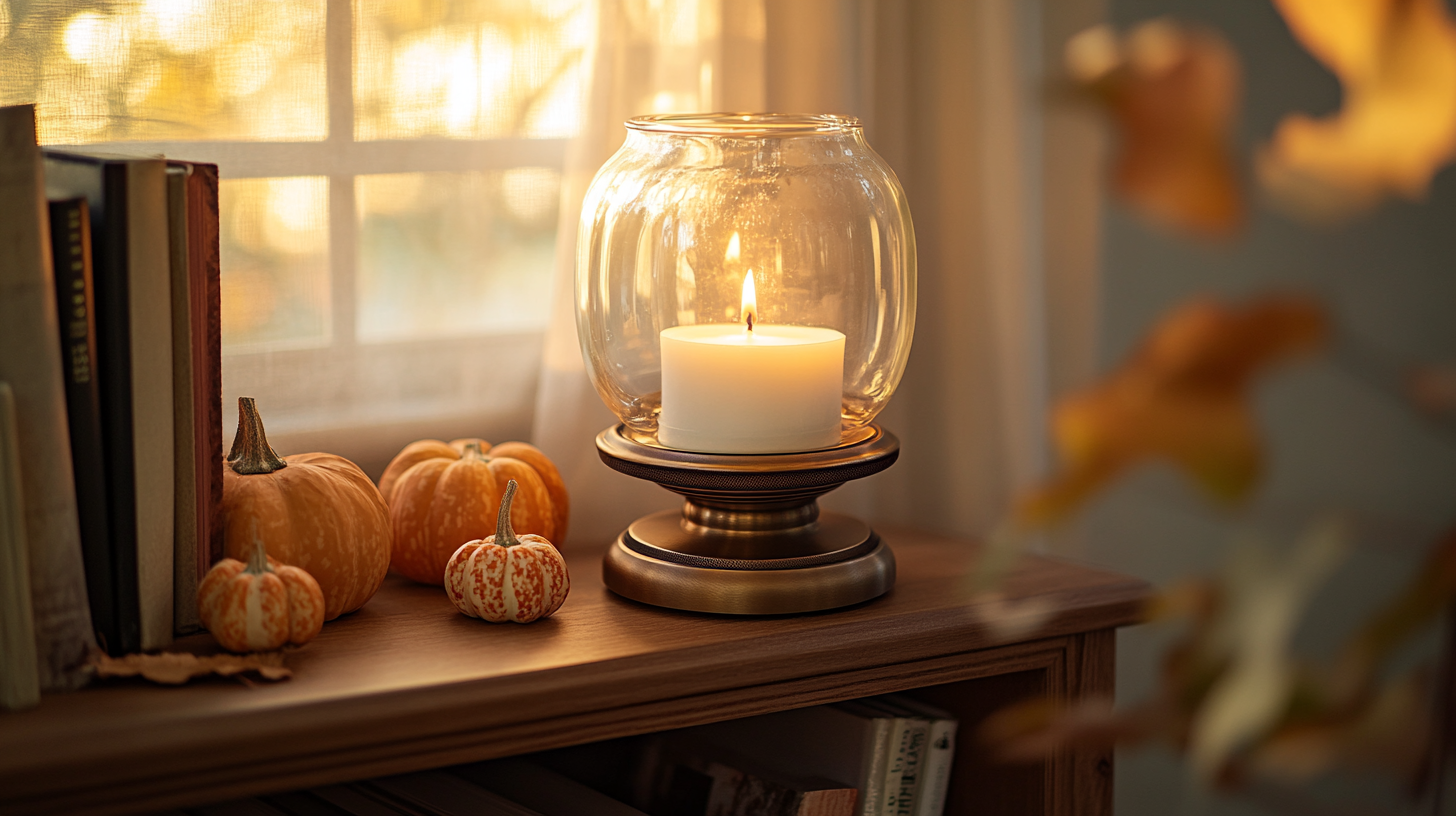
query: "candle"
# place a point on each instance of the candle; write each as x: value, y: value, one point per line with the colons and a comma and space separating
x: 750, y: 387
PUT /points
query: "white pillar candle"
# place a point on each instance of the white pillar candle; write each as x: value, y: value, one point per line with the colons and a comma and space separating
x: 750, y: 388
x: 771, y: 389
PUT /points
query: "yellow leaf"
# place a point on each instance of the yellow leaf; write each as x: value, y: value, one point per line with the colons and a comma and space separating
x: 1396, y: 62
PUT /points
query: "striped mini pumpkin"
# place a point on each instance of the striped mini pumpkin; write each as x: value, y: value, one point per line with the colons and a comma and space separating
x: 260, y: 605
x: 506, y: 577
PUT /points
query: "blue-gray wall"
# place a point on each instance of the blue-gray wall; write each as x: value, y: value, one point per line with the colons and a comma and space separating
x: 1335, y: 442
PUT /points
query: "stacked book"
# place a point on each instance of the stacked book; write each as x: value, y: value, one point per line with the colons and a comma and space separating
x: 888, y: 755
x: 115, y: 371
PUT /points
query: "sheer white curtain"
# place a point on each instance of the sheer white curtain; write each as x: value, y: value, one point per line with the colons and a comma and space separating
x: 1003, y: 196
x: 650, y: 57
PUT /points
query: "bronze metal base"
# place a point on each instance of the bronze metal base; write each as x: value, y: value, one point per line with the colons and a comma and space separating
x: 750, y: 539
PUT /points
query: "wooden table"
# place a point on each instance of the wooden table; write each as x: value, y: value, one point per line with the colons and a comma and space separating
x: 408, y: 683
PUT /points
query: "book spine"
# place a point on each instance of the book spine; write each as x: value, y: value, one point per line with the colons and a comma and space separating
x: 187, y: 518
x: 30, y: 361
x: 908, y: 787
x: 151, y: 391
x: 872, y: 797
x: 899, y: 752
x: 113, y: 356
x: 75, y: 304
x: 19, y: 675
x: 204, y: 246
x: 935, y: 779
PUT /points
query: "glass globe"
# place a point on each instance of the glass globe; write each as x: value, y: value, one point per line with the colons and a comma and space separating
x: 745, y: 282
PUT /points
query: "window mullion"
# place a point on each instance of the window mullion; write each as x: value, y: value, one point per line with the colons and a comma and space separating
x: 343, y: 238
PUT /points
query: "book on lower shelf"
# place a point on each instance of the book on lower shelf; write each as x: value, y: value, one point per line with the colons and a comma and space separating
x: 871, y: 743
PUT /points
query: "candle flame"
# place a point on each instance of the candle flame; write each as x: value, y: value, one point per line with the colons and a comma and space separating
x: 732, y: 254
x: 750, y: 302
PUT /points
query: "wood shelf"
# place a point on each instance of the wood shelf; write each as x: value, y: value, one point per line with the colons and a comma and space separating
x: 408, y: 683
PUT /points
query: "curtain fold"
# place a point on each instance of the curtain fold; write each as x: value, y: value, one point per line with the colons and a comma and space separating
x: 649, y: 57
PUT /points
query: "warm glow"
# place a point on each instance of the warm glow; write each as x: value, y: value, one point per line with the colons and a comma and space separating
x: 437, y: 71
x: 1396, y: 128
x: 731, y: 256
x: 750, y: 302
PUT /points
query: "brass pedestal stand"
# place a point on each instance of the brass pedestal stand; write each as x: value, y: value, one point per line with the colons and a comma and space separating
x: 750, y: 539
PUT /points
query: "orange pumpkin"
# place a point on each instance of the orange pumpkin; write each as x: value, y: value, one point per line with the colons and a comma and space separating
x: 258, y: 606
x: 505, y: 577
x: 315, y: 511
x: 441, y: 496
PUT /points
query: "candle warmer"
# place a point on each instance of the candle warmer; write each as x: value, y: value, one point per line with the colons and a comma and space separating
x: 767, y: 233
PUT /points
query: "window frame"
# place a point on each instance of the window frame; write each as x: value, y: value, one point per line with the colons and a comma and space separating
x: 341, y: 160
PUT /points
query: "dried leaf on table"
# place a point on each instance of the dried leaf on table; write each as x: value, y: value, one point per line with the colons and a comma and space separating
x: 1172, y: 92
x: 1184, y: 396
x: 1396, y: 63
x: 176, y: 668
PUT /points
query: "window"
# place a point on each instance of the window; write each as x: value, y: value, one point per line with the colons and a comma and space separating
x: 390, y: 183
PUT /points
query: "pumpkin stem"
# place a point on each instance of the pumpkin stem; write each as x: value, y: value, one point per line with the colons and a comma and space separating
x: 258, y: 560
x: 473, y: 451
x: 251, y: 454
x: 505, y: 535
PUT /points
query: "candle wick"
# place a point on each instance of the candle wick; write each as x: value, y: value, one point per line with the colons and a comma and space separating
x: 750, y: 322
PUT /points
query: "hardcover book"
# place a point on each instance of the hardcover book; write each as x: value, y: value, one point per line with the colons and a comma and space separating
x: 196, y: 381
x: 938, y: 755
x: 30, y: 361
x: 76, y: 307
x: 132, y: 284
x: 907, y: 747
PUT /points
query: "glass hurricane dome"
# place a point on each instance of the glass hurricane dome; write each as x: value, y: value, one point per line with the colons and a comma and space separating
x: 771, y: 234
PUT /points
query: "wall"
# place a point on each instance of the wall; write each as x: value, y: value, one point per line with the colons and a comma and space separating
x: 1334, y: 441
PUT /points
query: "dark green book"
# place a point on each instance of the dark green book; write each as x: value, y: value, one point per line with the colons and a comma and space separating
x: 76, y: 308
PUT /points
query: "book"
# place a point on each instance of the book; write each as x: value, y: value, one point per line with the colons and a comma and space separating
x: 682, y: 774
x: 542, y: 789
x: 19, y: 677
x: 939, y: 753
x: 30, y: 361
x: 132, y: 287
x: 845, y: 741
x: 76, y: 313
x: 192, y: 211
x: 907, y: 743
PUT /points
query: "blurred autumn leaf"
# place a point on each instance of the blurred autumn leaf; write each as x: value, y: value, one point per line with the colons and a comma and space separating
x: 1396, y: 62
x: 1172, y: 92
x: 1183, y: 396
x: 1232, y: 696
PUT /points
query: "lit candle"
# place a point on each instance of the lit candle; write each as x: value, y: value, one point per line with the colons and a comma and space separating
x: 750, y: 387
